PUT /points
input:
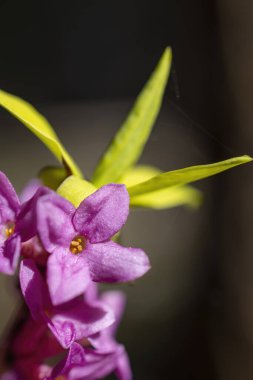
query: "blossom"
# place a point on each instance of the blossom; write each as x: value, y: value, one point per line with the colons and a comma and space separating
x: 17, y: 222
x: 10, y: 240
x: 105, y: 356
x: 79, y: 242
x: 94, y: 357
x: 85, y: 364
x: 68, y: 322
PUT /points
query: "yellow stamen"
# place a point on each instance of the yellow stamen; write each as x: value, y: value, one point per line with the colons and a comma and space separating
x: 77, y: 245
x: 9, y: 230
x: 61, y: 377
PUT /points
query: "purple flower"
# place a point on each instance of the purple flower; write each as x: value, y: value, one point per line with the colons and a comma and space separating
x: 16, y: 220
x: 106, y: 355
x: 85, y: 364
x: 10, y: 240
x: 74, y: 320
x: 34, y: 344
x: 80, y: 245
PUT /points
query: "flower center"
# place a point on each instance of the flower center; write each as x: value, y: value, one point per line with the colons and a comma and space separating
x: 9, y: 229
x: 77, y: 245
x: 61, y: 377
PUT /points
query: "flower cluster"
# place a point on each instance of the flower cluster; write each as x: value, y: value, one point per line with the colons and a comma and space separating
x: 64, y: 252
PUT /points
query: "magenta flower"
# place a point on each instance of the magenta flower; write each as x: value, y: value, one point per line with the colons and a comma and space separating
x: 87, y: 364
x: 16, y: 220
x: 80, y: 245
x: 106, y: 355
x: 34, y: 344
x: 74, y: 320
x: 10, y: 240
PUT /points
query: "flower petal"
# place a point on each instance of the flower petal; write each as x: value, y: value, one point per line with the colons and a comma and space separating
x: 9, y: 254
x: 110, y: 262
x: 75, y: 357
x: 91, y: 293
x: 87, y: 364
x: 29, y: 190
x: 97, y: 365
x: 67, y: 275
x: 103, y: 213
x: 86, y: 319
x: 54, y: 221
x: 34, y: 289
x: 26, y: 224
x: 44, y: 371
x: 64, y: 332
x: 123, y: 370
x: 9, y: 202
x: 117, y: 301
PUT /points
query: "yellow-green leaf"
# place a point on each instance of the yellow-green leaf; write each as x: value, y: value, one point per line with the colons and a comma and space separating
x: 76, y: 189
x: 168, y: 198
x: 37, y: 124
x: 130, y: 140
x: 138, y: 173
x: 52, y: 176
x: 184, y: 176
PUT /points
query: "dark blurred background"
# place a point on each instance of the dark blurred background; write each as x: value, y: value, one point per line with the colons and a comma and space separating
x: 82, y: 63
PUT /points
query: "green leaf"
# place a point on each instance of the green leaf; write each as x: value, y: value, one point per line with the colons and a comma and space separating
x: 76, y: 189
x: 37, y: 124
x: 53, y: 176
x: 184, y: 176
x: 138, y: 173
x: 130, y: 140
x: 168, y: 198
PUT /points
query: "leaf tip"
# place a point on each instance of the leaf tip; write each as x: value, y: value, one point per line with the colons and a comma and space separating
x: 166, y: 58
x: 168, y: 53
x: 245, y: 158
